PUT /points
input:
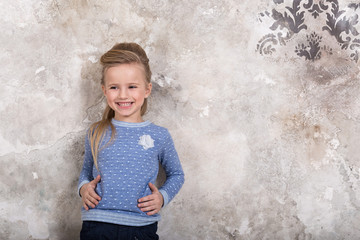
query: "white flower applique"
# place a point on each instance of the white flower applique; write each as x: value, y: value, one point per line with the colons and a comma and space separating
x: 146, y: 141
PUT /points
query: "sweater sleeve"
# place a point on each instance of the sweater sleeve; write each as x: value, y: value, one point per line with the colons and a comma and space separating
x: 170, y: 161
x: 86, y: 172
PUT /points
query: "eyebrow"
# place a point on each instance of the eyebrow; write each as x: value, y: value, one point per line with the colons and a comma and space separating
x: 132, y: 83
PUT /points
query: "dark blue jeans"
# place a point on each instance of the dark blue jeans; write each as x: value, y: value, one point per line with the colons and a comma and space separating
x: 107, y: 231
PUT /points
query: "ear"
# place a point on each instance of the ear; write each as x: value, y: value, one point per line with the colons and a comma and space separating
x: 103, y: 89
x: 148, y: 90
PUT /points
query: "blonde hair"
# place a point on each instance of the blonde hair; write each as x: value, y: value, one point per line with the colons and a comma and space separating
x: 121, y: 53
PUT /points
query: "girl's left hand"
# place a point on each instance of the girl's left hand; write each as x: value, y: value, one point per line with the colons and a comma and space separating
x: 151, y: 204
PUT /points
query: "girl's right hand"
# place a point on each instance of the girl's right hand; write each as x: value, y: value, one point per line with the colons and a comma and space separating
x: 88, y: 195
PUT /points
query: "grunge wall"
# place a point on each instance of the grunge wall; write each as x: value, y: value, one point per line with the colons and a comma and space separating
x: 261, y: 98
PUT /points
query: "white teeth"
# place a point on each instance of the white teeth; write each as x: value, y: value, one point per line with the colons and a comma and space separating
x: 124, y: 104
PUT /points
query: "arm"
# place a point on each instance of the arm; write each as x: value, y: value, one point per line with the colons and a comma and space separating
x: 169, y: 159
x: 87, y: 183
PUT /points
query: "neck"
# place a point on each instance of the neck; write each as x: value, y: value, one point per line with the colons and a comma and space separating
x: 129, y: 120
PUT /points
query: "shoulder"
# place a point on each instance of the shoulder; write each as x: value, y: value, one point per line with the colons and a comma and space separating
x: 160, y: 134
x: 159, y: 130
x: 99, y: 129
x: 93, y: 127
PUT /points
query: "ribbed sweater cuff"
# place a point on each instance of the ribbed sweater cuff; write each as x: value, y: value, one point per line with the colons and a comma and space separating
x: 165, y: 196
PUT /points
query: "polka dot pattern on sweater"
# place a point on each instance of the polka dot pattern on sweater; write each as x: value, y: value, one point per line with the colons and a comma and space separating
x: 126, y: 167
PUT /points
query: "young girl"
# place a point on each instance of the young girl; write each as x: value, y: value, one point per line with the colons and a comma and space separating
x: 122, y: 155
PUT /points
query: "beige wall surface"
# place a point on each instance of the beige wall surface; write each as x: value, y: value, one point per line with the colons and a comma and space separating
x: 261, y: 98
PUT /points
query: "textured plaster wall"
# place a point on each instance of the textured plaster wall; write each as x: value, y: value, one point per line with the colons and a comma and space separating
x: 261, y: 97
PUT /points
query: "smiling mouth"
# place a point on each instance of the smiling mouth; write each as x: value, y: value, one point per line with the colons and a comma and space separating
x: 126, y: 104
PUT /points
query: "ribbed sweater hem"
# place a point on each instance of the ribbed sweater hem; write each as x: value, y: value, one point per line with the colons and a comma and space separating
x: 107, y: 216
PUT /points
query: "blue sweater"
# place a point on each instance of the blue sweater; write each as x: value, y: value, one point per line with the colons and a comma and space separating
x: 126, y: 166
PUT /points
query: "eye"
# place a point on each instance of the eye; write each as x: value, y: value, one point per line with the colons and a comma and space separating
x: 113, y: 87
x: 132, y: 86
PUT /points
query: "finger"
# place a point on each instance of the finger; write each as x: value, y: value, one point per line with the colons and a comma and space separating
x: 93, y: 200
x: 148, y: 209
x: 152, y: 212
x: 90, y: 191
x: 146, y: 199
x: 94, y: 195
x: 96, y: 180
x: 146, y: 204
x: 89, y: 203
x: 85, y: 206
x: 153, y: 188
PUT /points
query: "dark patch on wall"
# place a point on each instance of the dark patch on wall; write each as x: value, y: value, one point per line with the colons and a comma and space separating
x: 278, y: 1
x: 340, y: 24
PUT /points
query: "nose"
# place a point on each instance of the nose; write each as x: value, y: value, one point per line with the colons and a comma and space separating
x: 123, y: 93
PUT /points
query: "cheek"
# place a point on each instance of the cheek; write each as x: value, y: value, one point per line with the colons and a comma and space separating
x: 110, y: 95
x: 140, y: 93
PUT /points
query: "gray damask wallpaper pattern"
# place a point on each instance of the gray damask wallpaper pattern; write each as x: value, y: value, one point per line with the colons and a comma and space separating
x: 261, y: 97
x: 294, y: 18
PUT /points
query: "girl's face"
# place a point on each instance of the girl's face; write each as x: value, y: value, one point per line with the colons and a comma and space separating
x: 125, y: 89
